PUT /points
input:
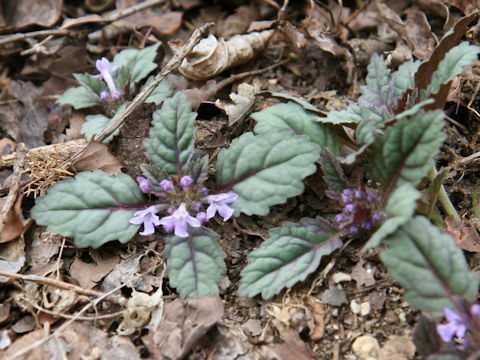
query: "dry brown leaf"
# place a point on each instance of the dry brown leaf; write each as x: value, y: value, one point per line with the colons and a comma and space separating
x: 189, y: 4
x: 169, y: 23
x: 76, y: 342
x: 13, y: 224
x: 242, y: 103
x: 465, y: 236
x: 237, y: 23
x: 11, y: 267
x: 90, y: 274
x: 22, y: 13
x: 466, y: 6
x: 212, y: 56
x: 419, y: 33
x: 434, y: 7
x: 74, y: 131
x: 185, y: 322
x: 364, y: 277
x: 7, y: 146
x: 317, y: 309
x: 96, y: 156
x: 293, y: 348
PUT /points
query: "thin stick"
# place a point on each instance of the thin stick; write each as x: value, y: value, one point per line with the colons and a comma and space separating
x: 88, y: 19
x: 15, y: 188
x: 51, y: 282
x: 172, y: 65
x: 63, y: 326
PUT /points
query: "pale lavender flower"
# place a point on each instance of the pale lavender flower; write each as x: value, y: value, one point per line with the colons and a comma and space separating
x: 197, y: 206
x: 144, y: 184
x: 375, y: 218
x: 179, y: 222
x: 186, y: 181
x: 456, y: 326
x: 103, y: 65
x: 354, y: 229
x: 203, y: 191
x: 346, y: 196
x: 219, y: 203
x: 366, y: 225
x: 338, y: 217
x: 475, y: 310
x: 148, y: 218
x: 358, y: 194
x: 166, y: 185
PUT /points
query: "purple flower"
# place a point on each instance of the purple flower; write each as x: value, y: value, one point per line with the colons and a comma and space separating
x: 202, y: 217
x: 475, y: 310
x: 349, y: 208
x: 375, y: 218
x: 104, y: 96
x: 371, y: 196
x: 179, y: 221
x: 358, y: 194
x: 354, y: 229
x: 148, y: 218
x: 203, y: 191
x: 456, y: 326
x: 103, y: 65
x: 186, y: 181
x: 366, y: 225
x: 197, y: 206
x: 219, y: 203
x: 338, y: 217
x: 166, y: 185
x: 346, y: 196
x: 144, y: 184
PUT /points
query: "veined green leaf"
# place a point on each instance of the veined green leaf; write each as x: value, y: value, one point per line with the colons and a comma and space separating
x: 95, y: 124
x: 92, y: 208
x: 406, y: 152
x: 160, y: 93
x: 266, y: 169
x: 289, y: 98
x: 332, y: 171
x: 79, y: 98
x: 377, y: 90
x: 195, y: 263
x: 140, y: 62
x: 90, y: 82
x: 172, y: 136
x: 429, y: 266
x: 452, y: 65
x: 292, y: 116
x: 400, y: 208
x: 292, y: 253
x: 404, y: 77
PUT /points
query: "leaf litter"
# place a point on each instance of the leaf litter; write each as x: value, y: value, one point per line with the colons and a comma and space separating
x: 328, y: 49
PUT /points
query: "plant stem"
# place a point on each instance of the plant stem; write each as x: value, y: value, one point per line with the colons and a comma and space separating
x: 443, y: 197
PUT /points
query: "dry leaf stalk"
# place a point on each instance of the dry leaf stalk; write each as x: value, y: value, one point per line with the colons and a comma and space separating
x: 213, y: 56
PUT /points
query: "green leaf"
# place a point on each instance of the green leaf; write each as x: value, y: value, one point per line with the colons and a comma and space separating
x: 265, y: 169
x: 429, y: 266
x: 160, y: 93
x: 293, y: 117
x: 92, y: 208
x: 406, y: 152
x: 452, y: 65
x: 292, y: 253
x: 90, y: 82
x: 172, y: 136
x: 376, y: 91
x: 155, y: 175
x: 404, y: 77
x: 332, y: 171
x: 195, y: 263
x: 140, y: 62
x: 346, y: 117
x: 79, y: 98
x: 95, y: 124
x: 400, y: 208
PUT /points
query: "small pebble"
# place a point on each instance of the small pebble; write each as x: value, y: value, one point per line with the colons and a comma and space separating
x: 366, y: 347
x: 341, y: 277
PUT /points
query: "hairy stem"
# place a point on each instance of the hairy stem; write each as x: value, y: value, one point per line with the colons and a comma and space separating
x: 443, y: 197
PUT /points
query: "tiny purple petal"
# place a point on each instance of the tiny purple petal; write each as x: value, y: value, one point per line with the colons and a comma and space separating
x: 202, y: 217
x: 116, y: 95
x: 358, y: 194
x: 103, y: 65
x: 375, y: 218
x: 171, y: 211
x: 371, y: 196
x: 354, y: 229
x: 347, y: 192
x: 166, y: 185
x: 366, y: 225
x: 203, y: 191
x: 144, y: 184
x: 475, y: 310
x: 338, y: 217
x: 455, y: 326
x: 446, y: 332
x: 104, y: 96
x: 349, y: 208
x: 186, y: 181
x: 197, y: 206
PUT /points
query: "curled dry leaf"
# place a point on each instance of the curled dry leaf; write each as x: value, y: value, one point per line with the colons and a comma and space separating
x: 13, y: 223
x: 242, y: 103
x: 213, y: 56
x: 96, y: 156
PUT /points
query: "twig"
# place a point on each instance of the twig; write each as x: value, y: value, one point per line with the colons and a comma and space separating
x: 88, y: 19
x: 63, y: 326
x: 51, y: 282
x: 172, y: 65
x: 15, y: 188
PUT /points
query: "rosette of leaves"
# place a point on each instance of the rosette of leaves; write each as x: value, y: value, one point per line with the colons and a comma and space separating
x: 133, y: 67
x: 264, y: 169
x: 398, y: 130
